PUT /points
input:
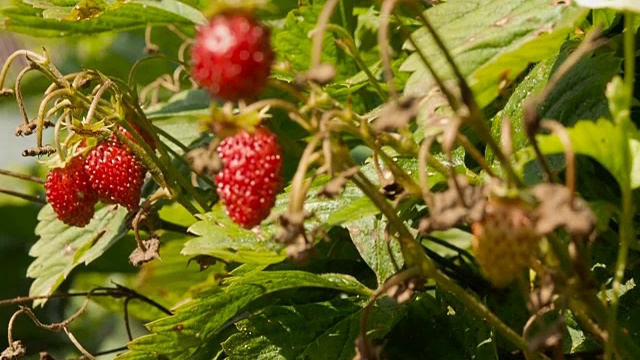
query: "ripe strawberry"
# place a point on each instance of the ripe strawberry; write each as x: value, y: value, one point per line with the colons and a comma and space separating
x: 115, y: 174
x: 251, y: 177
x: 504, y: 240
x: 148, y: 139
x: 232, y: 56
x: 70, y: 193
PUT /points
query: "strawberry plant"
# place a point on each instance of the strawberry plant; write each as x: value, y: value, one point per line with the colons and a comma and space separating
x: 321, y: 179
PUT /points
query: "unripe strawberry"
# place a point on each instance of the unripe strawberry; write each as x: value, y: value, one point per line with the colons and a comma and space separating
x: 70, y: 193
x: 504, y: 241
x: 251, y: 177
x: 232, y: 56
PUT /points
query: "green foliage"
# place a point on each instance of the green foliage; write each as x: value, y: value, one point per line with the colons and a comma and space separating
x: 383, y: 199
x: 492, y: 42
x: 61, y: 248
x: 220, y: 238
x: 196, y: 323
x: 594, y: 139
x: 325, y: 330
x: 63, y: 18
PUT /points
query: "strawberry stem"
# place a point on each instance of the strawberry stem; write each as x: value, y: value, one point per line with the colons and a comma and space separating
x: 22, y: 176
x: 20, y: 195
x: 627, y: 232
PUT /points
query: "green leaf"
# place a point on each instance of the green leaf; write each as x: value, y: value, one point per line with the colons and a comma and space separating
x: 598, y: 140
x: 58, y: 18
x: 61, y: 248
x: 578, y: 95
x: 576, y: 340
x: 368, y: 235
x: 492, y: 41
x: 435, y: 329
x: 532, y: 84
x: 326, y: 330
x: 467, y: 328
x: 293, y: 43
x: 193, y: 103
x: 621, y: 5
x: 221, y: 238
x: 580, y: 92
x: 196, y: 323
x: 167, y: 282
x: 456, y: 237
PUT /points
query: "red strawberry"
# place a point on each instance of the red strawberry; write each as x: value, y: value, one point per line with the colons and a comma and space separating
x: 504, y: 241
x: 70, y: 193
x: 251, y: 177
x: 232, y: 56
x: 148, y: 139
x: 115, y: 174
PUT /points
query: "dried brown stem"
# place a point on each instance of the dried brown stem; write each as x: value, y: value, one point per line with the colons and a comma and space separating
x: 570, y: 155
x: 383, y: 44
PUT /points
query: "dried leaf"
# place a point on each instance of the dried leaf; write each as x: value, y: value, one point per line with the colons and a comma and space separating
x: 557, y: 210
x: 335, y: 186
x: 152, y: 252
x: 15, y: 351
x: 397, y: 114
x: 448, y: 209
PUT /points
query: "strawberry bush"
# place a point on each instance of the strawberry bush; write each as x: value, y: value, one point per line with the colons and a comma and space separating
x: 321, y: 179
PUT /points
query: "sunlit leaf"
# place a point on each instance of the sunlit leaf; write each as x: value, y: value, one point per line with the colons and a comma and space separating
x: 491, y: 41
x: 54, y: 18
x: 326, y: 330
x: 61, y: 248
x: 597, y: 139
x: 197, y: 322
x: 221, y: 238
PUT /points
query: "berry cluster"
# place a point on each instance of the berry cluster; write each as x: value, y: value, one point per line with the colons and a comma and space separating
x: 109, y: 172
x: 232, y: 58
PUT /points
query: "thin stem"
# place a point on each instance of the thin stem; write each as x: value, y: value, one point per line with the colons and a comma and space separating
x: 474, y: 304
x: 284, y: 105
x: 395, y: 280
x: 11, y: 58
x: 453, y: 101
x: 19, y: 94
x: 570, y: 155
x: 135, y: 66
x: 318, y: 32
x: 286, y: 87
x: 96, y: 99
x: 41, y: 115
x: 627, y: 232
x: 475, y: 153
x: 31, y: 198
x: 77, y: 344
x: 22, y: 176
x: 298, y: 188
x: 56, y: 137
x: 383, y: 44
x: 355, y: 54
x: 411, y: 249
x: 424, y: 155
x: 186, y: 163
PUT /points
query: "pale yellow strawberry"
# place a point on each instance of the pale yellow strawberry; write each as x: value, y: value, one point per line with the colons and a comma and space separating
x: 504, y: 241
